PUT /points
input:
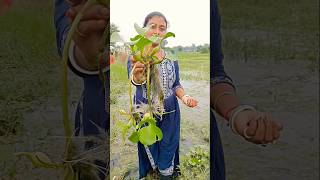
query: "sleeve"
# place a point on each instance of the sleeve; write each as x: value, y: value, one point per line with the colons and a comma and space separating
x: 62, y: 26
x: 176, y: 83
x: 217, y: 72
x: 129, y: 67
x: 61, y: 23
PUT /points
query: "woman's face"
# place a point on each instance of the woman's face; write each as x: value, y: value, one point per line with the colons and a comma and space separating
x: 157, y: 26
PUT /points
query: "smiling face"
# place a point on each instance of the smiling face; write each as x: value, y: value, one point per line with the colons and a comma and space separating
x: 157, y: 26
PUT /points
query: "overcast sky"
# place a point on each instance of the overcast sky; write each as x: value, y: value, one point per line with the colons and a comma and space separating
x: 188, y: 19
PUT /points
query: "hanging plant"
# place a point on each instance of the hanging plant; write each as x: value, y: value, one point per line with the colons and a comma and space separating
x: 142, y: 117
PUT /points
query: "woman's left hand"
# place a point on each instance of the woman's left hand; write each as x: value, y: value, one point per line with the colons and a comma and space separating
x: 189, y: 101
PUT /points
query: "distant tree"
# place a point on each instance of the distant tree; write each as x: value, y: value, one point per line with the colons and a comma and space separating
x: 114, y: 28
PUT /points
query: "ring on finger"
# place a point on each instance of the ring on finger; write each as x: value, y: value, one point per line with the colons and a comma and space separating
x: 245, y: 133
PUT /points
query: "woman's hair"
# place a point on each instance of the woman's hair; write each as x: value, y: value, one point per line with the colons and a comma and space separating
x: 151, y: 15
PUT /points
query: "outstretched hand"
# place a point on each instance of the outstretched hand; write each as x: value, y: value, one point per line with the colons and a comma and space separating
x: 189, y: 101
x: 257, y: 127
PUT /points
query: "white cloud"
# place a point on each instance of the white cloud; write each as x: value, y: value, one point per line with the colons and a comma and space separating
x: 188, y: 19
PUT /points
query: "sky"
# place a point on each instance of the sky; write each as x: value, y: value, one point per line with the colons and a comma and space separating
x: 188, y: 19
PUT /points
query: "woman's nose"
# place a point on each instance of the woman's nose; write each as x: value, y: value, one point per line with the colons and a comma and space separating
x: 156, y: 32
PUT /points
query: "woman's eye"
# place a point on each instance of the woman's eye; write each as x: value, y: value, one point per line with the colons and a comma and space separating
x: 152, y: 26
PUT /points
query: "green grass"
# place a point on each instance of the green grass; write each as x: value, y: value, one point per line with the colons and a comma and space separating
x: 271, y: 31
x: 28, y: 61
x: 194, y: 66
x: 119, y: 81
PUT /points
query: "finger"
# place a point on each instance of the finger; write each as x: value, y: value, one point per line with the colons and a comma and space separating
x: 138, y: 70
x: 71, y: 14
x: 260, y: 132
x: 188, y: 101
x: 269, y: 129
x: 139, y: 65
x: 96, y: 12
x: 193, y: 103
x: 91, y: 26
x: 196, y: 103
x: 252, y: 126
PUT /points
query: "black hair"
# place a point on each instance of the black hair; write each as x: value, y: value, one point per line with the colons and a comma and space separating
x: 151, y: 15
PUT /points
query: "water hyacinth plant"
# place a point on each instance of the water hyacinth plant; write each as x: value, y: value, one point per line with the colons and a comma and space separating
x: 73, y: 163
x: 142, y: 117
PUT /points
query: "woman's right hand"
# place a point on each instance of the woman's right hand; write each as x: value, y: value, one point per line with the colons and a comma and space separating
x: 138, y: 71
x: 88, y: 32
x: 258, y: 127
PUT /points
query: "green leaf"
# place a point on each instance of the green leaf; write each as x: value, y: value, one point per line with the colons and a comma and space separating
x: 137, y: 37
x: 144, y: 120
x: 155, y: 50
x: 151, y: 121
x: 155, y: 39
x: 158, y: 132
x: 133, y: 48
x: 142, y: 43
x: 156, y: 60
x: 124, y: 131
x: 147, y: 136
x: 39, y: 159
x: 140, y: 31
x: 169, y: 34
x: 134, y: 137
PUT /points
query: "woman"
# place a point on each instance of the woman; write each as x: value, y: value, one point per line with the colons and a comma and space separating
x: 244, y: 120
x: 164, y: 154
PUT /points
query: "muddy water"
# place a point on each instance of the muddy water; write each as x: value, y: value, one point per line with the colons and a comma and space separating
x: 290, y: 92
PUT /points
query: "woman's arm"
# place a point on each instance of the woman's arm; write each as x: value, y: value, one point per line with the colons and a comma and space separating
x: 222, y: 90
x: 254, y: 126
x: 223, y: 99
x: 84, y: 50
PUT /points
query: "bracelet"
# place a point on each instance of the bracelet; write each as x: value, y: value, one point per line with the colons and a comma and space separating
x: 219, y: 96
x: 184, y: 96
x: 137, y: 84
x: 234, y: 114
x: 227, y: 114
